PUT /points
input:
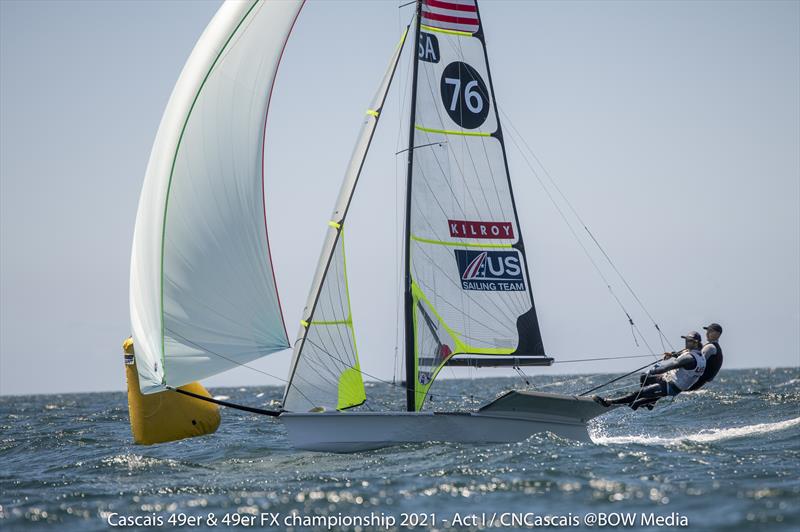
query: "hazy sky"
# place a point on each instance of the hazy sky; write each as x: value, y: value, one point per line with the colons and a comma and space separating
x: 672, y: 127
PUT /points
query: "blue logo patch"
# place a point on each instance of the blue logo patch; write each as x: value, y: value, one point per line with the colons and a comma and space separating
x: 493, y: 271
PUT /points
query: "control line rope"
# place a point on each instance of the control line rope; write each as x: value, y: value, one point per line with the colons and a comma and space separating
x: 616, y: 379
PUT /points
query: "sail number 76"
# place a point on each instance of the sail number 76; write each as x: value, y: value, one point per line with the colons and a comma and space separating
x: 463, y: 95
x: 471, y: 97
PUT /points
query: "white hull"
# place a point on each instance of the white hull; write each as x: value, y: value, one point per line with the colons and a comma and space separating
x: 509, y: 419
x: 348, y: 432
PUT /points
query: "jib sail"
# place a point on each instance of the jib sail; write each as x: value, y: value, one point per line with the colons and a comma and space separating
x: 325, y: 372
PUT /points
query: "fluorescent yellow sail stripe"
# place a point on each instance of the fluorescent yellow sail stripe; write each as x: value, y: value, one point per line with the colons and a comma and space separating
x: 458, y: 244
x: 448, y: 32
x: 403, y: 38
x: 339, y: 322
x: 449, y: 132
x: 421, y: 391
x: 350, y: 390
x: 334, y: 224
x: 350, y: 384
x: 373, y: 112
x: 461, y: 346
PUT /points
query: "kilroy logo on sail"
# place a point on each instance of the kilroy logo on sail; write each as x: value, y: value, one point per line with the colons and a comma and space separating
x: 491, y: 271
x: 466, y: 229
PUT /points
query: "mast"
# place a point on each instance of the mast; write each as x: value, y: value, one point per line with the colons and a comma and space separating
x: 411, y: 378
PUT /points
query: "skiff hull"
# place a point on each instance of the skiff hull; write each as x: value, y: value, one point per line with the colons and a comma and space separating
x: 511, y: 418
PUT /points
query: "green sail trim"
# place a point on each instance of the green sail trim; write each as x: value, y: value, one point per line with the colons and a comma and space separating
x: 460, y: 346
x: 351, y: 384
x: 344, y: 386
x: 351, y: 389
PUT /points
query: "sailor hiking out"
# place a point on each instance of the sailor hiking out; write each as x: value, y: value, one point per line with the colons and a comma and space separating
x: 670, y: 377
x: 712, y: 352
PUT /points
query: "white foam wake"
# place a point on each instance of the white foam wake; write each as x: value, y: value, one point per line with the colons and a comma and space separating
x: 703, y: 436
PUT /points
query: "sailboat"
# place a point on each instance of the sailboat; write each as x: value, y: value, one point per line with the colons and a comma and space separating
x: 203, y: 293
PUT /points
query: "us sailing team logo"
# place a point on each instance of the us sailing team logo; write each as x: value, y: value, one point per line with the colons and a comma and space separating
x: 492, y: 271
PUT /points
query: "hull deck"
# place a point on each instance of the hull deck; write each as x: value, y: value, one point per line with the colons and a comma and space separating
x: 510, y: 418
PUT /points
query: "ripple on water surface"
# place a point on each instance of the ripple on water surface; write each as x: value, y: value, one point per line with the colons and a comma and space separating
x: 725, y: 457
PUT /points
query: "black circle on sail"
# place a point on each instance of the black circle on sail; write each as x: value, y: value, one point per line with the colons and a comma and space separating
x: 464, y: 95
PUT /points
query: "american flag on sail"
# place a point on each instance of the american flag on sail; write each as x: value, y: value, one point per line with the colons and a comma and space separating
x: 459, y: 15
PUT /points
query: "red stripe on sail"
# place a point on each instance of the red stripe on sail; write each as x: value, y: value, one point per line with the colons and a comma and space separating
x: 452, y: 20
x: 455, y: 7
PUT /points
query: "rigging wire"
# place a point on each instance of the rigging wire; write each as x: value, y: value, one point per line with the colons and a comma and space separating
x: 235, y: 362
x: 597, y: 359
x: 378, y: 379
x: 401, y: 105
x: 393, y: 383
x: 462, y: 396
x: 634, y: 327
x: 394, y: 227
x: 574, y: 233
x: 616, y: 379
x: 235, y: 406
x: 662, y: 337
x: 440, y: 143
x: 522, y: 375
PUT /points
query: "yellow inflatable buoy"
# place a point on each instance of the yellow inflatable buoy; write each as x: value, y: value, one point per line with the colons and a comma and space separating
x: 166, y: 416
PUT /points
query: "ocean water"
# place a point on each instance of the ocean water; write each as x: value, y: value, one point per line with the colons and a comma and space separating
x: 726, y: 458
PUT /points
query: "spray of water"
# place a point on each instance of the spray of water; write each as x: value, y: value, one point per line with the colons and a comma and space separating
x: 599, y: 436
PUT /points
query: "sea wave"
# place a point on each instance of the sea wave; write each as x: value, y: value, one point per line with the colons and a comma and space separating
x: 726, y: 458
x: 704, y: 436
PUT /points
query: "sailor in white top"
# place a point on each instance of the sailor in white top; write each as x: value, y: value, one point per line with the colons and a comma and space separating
x: 667, y: 378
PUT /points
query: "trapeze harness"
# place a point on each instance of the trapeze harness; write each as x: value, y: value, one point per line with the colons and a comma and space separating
x: 713, y: 365
x: 683, y: 378
x: 672, y: 383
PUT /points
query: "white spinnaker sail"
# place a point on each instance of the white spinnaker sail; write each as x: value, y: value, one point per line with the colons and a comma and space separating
x: 325, y: 371
x: 202, y: 291
x: 470, y: 289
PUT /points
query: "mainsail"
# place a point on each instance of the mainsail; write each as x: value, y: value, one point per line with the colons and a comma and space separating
x: 202, y: 291
x: 468, y: 290
x: 325, y: 372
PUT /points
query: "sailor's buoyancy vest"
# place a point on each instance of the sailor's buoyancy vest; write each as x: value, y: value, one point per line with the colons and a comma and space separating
x: 684, y: 378
x: 713, y: 364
